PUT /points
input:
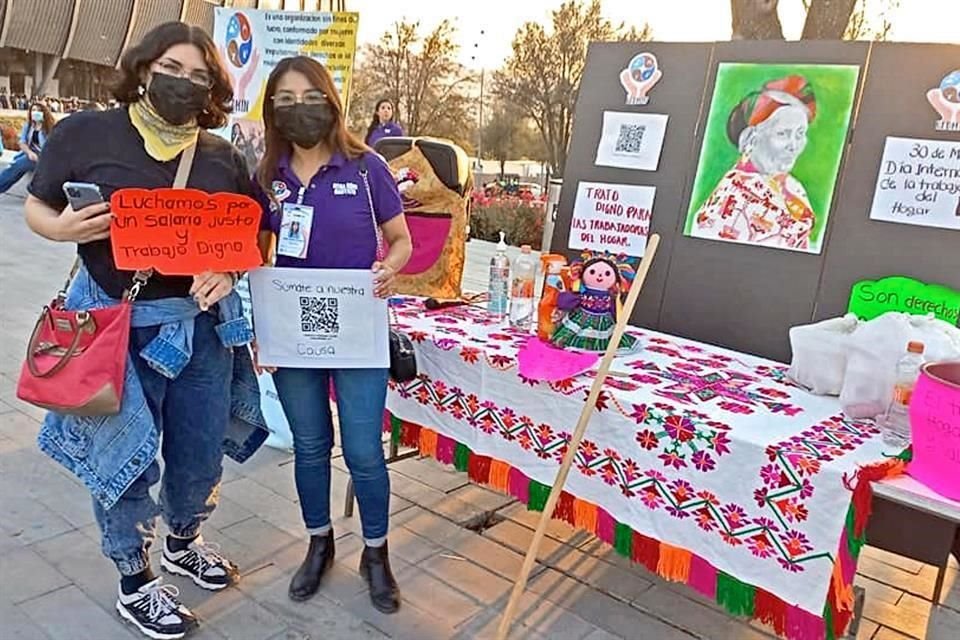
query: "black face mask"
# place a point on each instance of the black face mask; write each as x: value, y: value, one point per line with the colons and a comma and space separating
x: 177, y: 100
x: 305, y: 125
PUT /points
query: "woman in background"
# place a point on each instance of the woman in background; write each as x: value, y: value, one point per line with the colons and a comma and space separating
x: 382, y: 124
x: 32, y: 138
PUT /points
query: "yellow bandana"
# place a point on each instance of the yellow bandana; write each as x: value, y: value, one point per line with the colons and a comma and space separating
x: 163, y: 141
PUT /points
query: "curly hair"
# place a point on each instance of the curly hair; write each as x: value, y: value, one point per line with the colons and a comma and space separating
x: 136, y: 62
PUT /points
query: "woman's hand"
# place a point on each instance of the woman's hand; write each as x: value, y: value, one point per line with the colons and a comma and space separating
x: 383, y: 277
x: 255, y: 352
x: 34, y: 158
x: 210, y: 288
x: 86, y: 225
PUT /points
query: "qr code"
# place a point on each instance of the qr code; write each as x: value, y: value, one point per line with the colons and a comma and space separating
x: 319, y: 315
x: 630, y: 139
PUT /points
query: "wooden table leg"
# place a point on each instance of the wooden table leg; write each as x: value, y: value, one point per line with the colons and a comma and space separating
x: 859, y: 595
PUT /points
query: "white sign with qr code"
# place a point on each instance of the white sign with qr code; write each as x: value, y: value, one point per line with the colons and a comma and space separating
x: 631, y: 140
x: 319, y: 319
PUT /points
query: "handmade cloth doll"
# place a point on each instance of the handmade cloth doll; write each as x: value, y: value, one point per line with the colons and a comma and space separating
x: 593, y: 304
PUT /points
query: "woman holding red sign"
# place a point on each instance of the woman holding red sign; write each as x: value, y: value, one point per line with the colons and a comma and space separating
x: 185, y: 380
x: 318, y: 182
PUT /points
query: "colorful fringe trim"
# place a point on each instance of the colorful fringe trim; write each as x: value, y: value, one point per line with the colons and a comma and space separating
x: 673, y: 563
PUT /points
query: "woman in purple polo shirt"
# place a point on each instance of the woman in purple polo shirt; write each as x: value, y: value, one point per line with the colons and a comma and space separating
x: 316, y: 215
x: 382, y: 125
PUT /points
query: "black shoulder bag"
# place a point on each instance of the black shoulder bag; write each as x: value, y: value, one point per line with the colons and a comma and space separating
x: 403, y: 358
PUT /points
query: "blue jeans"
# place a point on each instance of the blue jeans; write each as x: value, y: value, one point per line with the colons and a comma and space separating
x: 361, y: 396
x: 21, y: 166
x: 191, y: 411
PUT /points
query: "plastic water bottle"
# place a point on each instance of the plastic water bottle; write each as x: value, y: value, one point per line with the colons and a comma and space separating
x: 499, y: 283
x: 895, y: 426
x: 521, y: 291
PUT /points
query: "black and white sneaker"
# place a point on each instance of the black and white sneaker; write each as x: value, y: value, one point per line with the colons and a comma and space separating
x: 202, y: 563
x: 155, y: 611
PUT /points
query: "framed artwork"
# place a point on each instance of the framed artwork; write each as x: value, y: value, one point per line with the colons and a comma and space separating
x: 772, y: 146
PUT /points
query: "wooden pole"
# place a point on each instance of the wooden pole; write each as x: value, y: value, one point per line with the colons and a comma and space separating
x: 652, y: 243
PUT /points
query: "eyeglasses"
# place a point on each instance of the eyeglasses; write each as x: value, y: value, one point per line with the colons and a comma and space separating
x: 173, y: 68
x: 288, y: 98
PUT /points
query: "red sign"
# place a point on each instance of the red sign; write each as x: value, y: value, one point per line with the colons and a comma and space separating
x: 184, y: 232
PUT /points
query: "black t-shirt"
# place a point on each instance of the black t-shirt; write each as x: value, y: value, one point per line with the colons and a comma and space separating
x: 104, y: 148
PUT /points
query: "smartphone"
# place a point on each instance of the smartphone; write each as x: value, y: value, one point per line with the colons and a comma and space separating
x: 82, y: 194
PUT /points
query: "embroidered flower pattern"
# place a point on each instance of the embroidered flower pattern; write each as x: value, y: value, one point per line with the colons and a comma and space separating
x: 675, y: 435
x: 688, y: 437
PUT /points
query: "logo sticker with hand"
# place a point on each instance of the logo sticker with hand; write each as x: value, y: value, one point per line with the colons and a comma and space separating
x: 639, y: 78
x: 945, y: 100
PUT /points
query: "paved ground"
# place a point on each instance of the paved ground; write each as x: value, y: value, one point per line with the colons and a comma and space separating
x: 54, y: 584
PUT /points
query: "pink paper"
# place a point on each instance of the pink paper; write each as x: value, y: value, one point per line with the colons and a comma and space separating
x: 539, y: 361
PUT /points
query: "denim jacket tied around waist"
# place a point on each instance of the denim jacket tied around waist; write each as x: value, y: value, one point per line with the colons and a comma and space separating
x: 109, y: 452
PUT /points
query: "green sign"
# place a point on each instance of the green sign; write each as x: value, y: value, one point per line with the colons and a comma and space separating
x: 872, y: 298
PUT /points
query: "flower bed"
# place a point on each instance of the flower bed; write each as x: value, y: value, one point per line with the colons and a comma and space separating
x: 519, y: 217
x: 10, y: 127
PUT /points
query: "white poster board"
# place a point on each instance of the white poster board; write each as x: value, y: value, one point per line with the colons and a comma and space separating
x: 919, y: 183
x: 319, y: 319
x: 280, y: 435
x: 612, y: 217
x: 631, y: 140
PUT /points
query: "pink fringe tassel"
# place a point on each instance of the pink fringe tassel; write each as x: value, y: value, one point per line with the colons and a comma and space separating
x: 519, y: 485
x: 445, y: 449
x: 606, y: 526
x: 703, y: 577
x: 804, y: 626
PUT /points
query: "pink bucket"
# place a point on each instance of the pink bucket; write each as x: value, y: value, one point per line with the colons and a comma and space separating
x: 935, y: 429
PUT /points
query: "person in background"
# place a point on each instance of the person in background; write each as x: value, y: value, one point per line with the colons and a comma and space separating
x: 312, y: 162
x: 382, y: 124
x: 4, y: 100
x: 32, y: 138
x: 188, y: 367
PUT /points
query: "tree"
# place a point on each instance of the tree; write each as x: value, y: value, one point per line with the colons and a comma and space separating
x: 498, y: 136
x: 421, y: 76
x: 826, y: 19
x: 509, y: 135
x: 542, y: 76
x: 861, y: 27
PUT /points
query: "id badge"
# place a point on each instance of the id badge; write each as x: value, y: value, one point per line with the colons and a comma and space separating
x: 293, y: 240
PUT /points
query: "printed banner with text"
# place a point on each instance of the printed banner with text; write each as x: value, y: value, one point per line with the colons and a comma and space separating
x: 253, y: 41
x: 612, y: 217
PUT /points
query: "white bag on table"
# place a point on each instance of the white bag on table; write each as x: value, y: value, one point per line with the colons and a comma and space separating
x: 876, y: 347
x: 820, y: 354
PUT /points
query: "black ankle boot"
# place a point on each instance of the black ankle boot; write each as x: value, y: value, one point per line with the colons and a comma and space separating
x: 375, y: 569
x: 319, y: 558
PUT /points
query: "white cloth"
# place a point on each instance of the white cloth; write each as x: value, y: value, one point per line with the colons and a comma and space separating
x: 761, y: 461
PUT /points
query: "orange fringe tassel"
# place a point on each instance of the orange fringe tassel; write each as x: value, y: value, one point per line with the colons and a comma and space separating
x: 428, y: 443
x: 674, y: 563
x: 843, y: 593
x: 499, y: 475
x: 585, y: 515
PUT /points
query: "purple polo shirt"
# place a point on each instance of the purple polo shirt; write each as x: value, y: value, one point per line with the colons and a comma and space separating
x: 342, y: 234
x: 385, y: 130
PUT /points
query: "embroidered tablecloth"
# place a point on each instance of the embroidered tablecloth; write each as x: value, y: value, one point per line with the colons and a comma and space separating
x: 694, y: 447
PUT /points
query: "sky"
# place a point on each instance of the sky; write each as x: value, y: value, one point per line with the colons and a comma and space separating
x: 913, y: 21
